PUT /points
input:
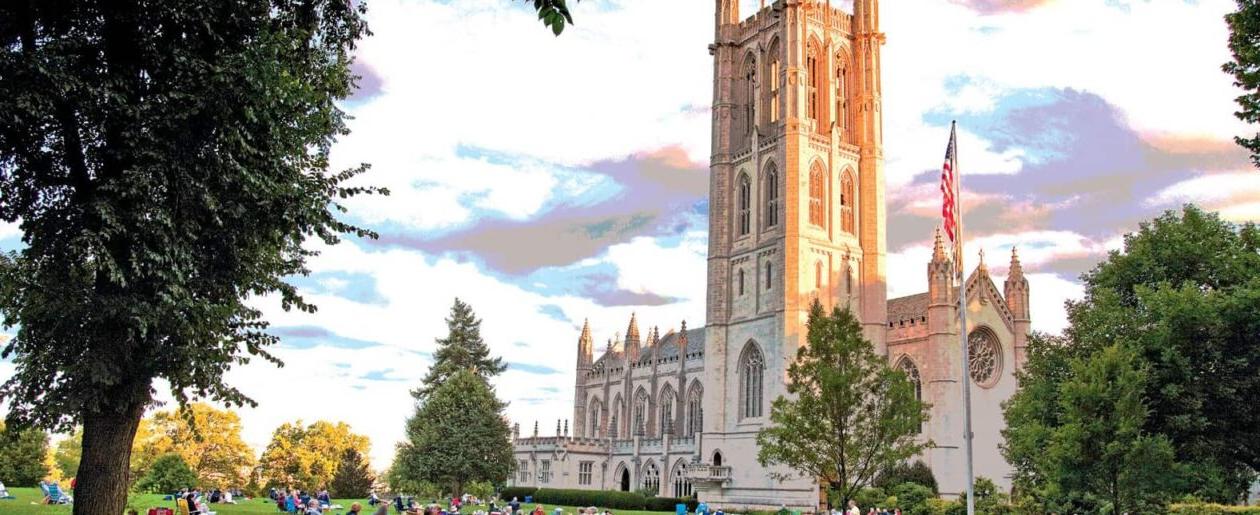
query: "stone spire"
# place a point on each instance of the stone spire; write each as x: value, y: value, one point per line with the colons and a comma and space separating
x: 535, y: 429
x: 939, y: 273
x: 982, y: 267
x: 566, y: 427
x: 557, y: 427
x: 633, y: 344
x: 586, y: 347
x: 1017, y: 295
x: 1016, y: 288
x: 682, y: 342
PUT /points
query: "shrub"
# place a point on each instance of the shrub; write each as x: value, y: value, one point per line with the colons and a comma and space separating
x: 869, y: 498
x: 167, y: 474
x: 938, y: 506
x: 1211, y: 509
x: 912, y: 498
x: 601, y: 498
x: 519, y: 492
x: 917, y: 472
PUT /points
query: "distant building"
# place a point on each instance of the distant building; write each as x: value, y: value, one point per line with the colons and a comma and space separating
x: 796, y: 213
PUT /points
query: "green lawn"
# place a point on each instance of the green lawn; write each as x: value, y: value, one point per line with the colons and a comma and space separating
x: 28, y: 503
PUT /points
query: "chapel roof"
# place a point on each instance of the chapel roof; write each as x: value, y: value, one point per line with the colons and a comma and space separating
x: 908, y: 307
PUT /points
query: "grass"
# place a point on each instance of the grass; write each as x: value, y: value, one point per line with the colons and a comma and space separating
x: 28, y: 503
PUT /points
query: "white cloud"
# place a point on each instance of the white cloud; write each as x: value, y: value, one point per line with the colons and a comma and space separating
x: 10, y: 230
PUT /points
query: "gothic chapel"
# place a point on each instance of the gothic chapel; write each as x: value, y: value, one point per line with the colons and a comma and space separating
x: 796, y: 213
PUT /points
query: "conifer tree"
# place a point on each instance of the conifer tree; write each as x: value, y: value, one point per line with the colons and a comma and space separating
x: 462, y: 349
x: 353, y: 478
x: 457, y: 436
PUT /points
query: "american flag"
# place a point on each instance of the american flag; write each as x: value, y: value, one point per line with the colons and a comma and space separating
x: 949, y: 196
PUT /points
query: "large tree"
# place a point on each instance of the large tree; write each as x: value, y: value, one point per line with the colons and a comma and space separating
x: 208, y: 439
x: 1100, y: 458
x: 23, y: 456
x: 457, y: 436
x: 166, y: 161
x: 848, y: 415
x: 1180, y: 297
x: 307, y: 457
x: 68, y: 452
x: 462, y: 349
x: 1244, y: 43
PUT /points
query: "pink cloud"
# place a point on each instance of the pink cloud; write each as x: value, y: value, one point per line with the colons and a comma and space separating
x: 1002, y: 6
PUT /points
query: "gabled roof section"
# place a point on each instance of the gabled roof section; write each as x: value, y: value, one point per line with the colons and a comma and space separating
x: 980, y: 287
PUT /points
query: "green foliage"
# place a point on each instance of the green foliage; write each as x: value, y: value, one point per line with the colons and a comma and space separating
x: 989, y: 500
x: 1210, y: 509
x: 1244, y: 43
x: 918, y: 473
x: 69, y: 451
x: 22, y: 456
x: 913, y: 498
x: 866, y: 498
x: 169, y: 473
x: 519, y: 492
x: 1181, y: 300
x: 458, y: 435
x: 307, y: 457
x: 847, y: 415
x: 353, y: 479
x: 605, y: 499
x: 554, y: 14
x: 462, y: 349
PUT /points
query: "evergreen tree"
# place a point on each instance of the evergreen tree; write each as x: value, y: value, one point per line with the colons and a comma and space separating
x: 847, y: 415
x: 169, y: 473
x: 353, y: 479
x: 458, y: 435
x: 23, y: 456
x: 1244, y: 43
x: 462, y: 349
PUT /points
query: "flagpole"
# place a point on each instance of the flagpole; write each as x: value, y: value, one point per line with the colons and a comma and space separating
x: 962, y: 324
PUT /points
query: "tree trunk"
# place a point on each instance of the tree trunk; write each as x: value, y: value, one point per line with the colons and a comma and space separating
x: 102, y: 480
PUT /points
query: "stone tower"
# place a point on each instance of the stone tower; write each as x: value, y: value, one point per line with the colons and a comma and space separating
x: 796, y: 213
x: 585, y: 357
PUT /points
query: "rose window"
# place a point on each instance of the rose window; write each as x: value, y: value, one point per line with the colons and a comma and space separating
x: 985, y: 357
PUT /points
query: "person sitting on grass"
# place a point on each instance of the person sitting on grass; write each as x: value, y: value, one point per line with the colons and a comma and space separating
x: 312, y: 508
x: 355, y: 508
x: 538, y: 510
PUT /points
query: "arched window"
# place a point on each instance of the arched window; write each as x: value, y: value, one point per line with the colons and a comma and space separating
x: 842, y: 101
x: 817, y: 194
x: 812, y: 81
x: 769, y: 276
x: 772, y: 196
x: 717, y: 458
x: 745, y: 205
x: 740, y: 280
x: 695, y: 410
x: 751, y: 369
x: 651, y: 478
x: 640, y: 413
x: 614, y: 426
x: 667, y: 401
x: 984, y: 356
x: 596, y: 408
x: 912, y: 373
x: 846, y: 202
x: 682, y: 487
x: 773, y: 70
x: 750, y: 96
x: 818, y: 275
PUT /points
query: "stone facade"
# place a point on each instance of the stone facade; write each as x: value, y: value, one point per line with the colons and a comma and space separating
x: 796, y: 214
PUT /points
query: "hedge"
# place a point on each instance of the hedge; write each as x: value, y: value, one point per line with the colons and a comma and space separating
x: 601, y: 498
x: 668, y: 503
x: 1211, y: 509
x: 519, y: 492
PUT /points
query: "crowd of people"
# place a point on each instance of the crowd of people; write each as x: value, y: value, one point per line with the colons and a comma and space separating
x: 199, y: 501
x: 294, y: 500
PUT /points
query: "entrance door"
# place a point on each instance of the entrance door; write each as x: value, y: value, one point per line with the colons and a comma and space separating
x: 625, y: 480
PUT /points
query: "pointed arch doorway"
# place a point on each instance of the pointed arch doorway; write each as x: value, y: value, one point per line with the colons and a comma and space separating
x: 625, y: 480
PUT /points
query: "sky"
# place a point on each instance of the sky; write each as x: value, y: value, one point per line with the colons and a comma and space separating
x: 549, y: 180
